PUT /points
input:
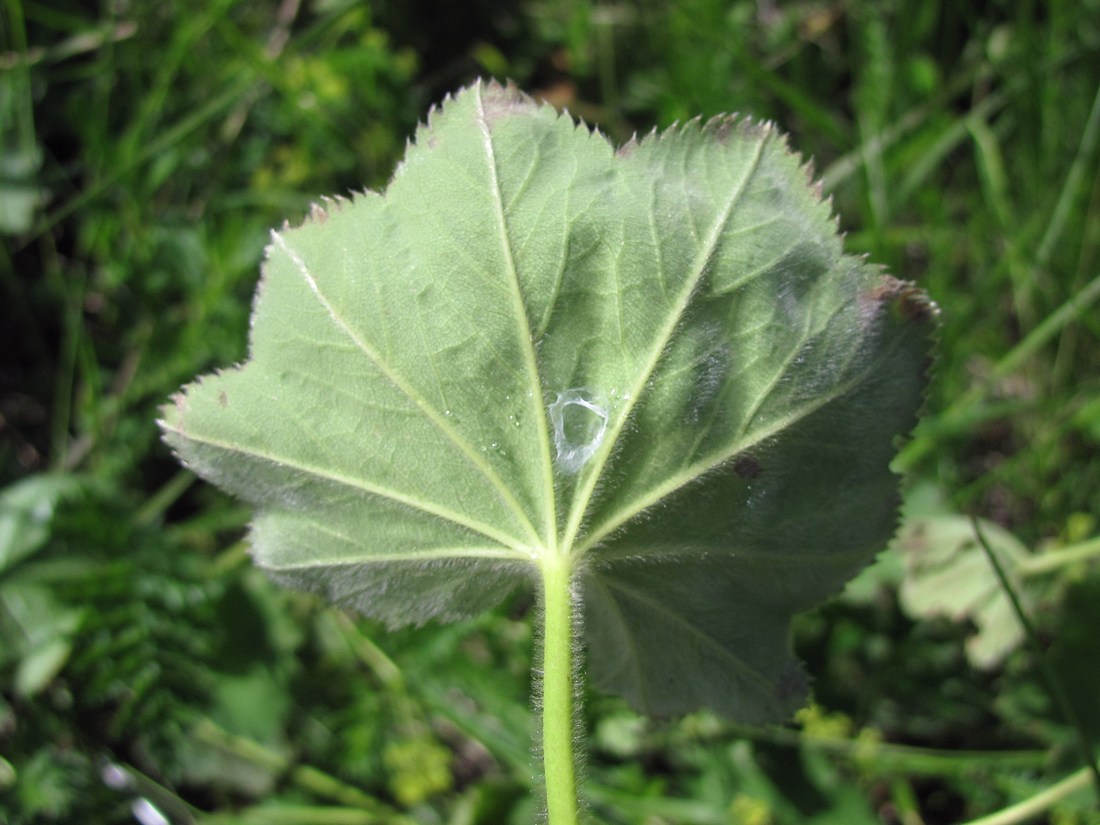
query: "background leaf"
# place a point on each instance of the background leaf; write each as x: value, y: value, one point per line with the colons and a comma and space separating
x: 656, y: 362
x: 940, y: 570
x: 948, y: 574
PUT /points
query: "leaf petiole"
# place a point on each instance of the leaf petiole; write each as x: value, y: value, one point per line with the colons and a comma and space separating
x: 559, y: 765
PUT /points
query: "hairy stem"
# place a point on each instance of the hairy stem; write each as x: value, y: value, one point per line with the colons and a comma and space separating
x: 559, y: 766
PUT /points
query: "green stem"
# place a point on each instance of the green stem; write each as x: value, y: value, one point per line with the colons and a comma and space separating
x: 1053, y: 560
x: 559, y: 767
x: 1038, y: 804
x: 1084, y: 740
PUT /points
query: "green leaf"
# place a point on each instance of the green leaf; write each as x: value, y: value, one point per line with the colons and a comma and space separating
x: 26, y: 512
x: 940, y: 570
x: 948, y: 574
x: 654, y: 364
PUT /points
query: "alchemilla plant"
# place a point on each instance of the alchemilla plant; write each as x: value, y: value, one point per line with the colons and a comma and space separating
x: 647, y: 379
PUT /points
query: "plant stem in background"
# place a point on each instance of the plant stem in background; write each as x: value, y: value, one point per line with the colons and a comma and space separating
x: 1039, y: 803
x: 1084, y: 742
x: 559, y: 766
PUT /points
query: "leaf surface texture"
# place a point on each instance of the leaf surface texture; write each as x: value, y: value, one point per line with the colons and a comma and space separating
x: 655, y: 361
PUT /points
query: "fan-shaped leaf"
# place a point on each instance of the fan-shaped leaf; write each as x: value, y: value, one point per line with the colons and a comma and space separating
x: 654, y: 362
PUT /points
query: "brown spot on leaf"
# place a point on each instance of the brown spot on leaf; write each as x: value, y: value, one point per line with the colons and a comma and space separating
x: 746, y: 466
x: 915, y: 306
x: 722, y: 127
x: 223, y: 399
x: 907, y: 299
x: 725, y: 127
x: 499, y: 102
x: 628, y: 148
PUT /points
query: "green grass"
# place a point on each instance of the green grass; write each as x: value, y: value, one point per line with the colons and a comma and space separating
x: 145, y: 156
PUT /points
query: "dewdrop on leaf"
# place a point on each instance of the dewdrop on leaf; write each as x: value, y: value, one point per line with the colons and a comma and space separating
x: 580, y: 424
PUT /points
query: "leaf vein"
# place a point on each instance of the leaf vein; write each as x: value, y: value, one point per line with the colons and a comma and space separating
x: 523, y: 324
x: 709, y: 463
x: 692, y: 630
x: 433, y: 415
x: 356, y: 484
x: 698, y: 271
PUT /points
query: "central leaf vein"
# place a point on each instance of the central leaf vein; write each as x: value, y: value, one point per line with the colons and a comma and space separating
x: 356, y: 484
x: 440, y: 553
x: 688, y: 289
x: 523, y: 325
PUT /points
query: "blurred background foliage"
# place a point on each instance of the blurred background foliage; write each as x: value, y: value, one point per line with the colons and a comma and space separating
x: 149, y: 674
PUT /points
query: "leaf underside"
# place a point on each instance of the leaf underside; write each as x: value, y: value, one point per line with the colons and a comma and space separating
x: 656, y: 362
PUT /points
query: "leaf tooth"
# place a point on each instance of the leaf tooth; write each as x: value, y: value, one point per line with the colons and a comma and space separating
x: 722, y: 127
x: 634, y: 142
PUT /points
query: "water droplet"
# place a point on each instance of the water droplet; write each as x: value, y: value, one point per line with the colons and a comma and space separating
x: 580, y: 424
